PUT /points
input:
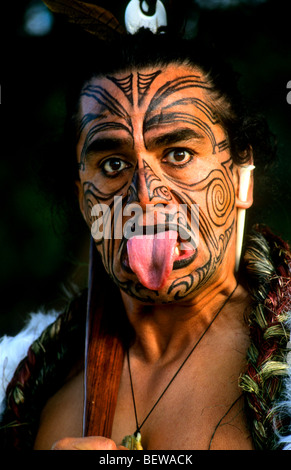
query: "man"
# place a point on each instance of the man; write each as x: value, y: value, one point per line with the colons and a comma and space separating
x: 156, y: 136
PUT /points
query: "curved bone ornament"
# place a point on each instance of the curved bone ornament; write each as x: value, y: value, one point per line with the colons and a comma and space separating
x: 135, y: 19
x: 245, y: 174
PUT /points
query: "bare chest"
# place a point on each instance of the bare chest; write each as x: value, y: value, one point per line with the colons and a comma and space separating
x: 202, y: 409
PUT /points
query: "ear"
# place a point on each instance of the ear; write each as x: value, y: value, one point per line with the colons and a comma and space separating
x: 80, y: 195
x: 244, y: 182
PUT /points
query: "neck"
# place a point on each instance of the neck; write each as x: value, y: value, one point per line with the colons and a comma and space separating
x: 164, y: 330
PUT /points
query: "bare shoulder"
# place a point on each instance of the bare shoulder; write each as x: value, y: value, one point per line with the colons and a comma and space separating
x: 62, y: 415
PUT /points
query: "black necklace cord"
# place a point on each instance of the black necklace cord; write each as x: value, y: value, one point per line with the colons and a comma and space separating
x: 138, y: 427
x: 222, y: 418
x: 132, y: 394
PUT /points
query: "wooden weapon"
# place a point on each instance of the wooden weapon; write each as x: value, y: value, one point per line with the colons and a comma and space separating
x: 103, y: 354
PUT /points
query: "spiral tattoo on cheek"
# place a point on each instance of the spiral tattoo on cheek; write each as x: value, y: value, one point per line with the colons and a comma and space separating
x: 219, y: 196
x: 216, y: 222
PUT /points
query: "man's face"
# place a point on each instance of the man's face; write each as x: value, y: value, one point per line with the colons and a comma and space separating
x: 149, y: 139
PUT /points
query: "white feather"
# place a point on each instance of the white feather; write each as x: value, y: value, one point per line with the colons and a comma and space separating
x: 14, y: 348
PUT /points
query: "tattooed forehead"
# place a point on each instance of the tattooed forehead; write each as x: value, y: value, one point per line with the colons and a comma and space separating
x: 143, y: 106
x: 138, y: 85
x: 155, y: 93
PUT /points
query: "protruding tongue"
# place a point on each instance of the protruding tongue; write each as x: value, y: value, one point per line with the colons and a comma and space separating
x: 151, y: 257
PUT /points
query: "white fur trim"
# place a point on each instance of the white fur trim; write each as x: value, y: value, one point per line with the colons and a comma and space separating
x: 14, y: 348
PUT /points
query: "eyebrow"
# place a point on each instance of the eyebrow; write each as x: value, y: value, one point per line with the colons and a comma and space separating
x: 173, y: 137
x: 106, y: 144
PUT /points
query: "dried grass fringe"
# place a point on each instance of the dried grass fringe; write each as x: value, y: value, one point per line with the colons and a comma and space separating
x: 268, y: 266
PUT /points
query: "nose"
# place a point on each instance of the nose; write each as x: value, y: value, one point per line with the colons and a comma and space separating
x: 147, y: 188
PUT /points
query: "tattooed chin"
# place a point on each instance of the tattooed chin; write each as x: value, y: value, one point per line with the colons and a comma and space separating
x: 153, y: 273
x: 162, y: 267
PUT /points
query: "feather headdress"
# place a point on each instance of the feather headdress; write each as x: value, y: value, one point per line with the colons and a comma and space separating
x: 92, y: 18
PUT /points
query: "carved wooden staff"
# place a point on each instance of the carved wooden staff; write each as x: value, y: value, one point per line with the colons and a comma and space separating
x: 103, y: 354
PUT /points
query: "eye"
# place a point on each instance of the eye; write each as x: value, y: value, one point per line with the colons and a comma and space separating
x: 178, y: 157
x: 113, y: 166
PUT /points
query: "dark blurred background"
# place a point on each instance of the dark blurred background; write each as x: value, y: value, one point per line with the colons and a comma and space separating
x: 39, y: 256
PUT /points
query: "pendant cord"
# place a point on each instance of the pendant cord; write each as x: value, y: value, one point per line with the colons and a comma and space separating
x: 132, y: 394
x: 221, y: 419
x: 138, y: 427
